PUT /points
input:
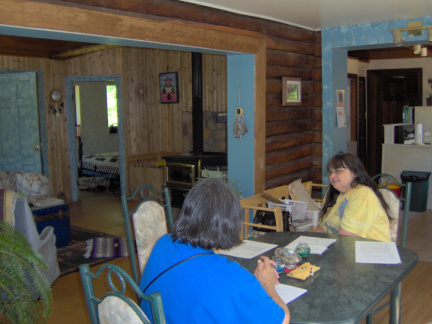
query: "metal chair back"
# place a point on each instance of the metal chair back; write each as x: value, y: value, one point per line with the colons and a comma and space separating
x: 384, y: 180
x: 118, y: 277
x: 142, y: 194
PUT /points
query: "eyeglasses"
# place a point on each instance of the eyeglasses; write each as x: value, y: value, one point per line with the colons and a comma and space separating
x: 336, y: 172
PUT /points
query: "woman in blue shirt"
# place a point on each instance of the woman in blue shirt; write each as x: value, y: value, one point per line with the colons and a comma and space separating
x: 203, y: 286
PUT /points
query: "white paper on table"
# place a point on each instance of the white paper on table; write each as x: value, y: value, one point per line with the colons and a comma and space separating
x: 377, y: 252
x: 317, y: 245
x: 248, y: 249
x: 289, y: 293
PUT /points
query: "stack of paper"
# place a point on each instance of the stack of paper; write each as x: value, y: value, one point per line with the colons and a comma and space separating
x: 316, y: 244
x: 289, y: 293
x: 377, y: 252
x: 249, y: 249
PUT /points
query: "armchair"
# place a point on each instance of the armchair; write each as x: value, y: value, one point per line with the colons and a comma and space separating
x: 114, y: 307
x: 44, y: 243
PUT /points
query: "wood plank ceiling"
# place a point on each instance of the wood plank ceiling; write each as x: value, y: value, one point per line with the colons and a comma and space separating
x: 62, y: 50
x: 46, y: 48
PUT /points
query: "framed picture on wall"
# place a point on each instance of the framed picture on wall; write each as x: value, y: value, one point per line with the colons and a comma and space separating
x: 168, y: 87
x: 291, y: 91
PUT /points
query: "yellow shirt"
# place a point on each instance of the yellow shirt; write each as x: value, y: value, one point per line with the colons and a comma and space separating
x: 359, y: 211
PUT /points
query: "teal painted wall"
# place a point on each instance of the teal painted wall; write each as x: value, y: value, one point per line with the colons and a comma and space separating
x: 241, y: 152
x: 335, y: 45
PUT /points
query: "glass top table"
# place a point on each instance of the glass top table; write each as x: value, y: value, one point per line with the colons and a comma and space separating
x: 342, y: 291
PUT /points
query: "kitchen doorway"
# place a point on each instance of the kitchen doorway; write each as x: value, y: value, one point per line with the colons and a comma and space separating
x: 387, y: 92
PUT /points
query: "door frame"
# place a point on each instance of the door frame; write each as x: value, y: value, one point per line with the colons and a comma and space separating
x: 73, y: 149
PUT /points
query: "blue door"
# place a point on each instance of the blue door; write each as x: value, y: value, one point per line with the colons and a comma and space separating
x: 19, y: 123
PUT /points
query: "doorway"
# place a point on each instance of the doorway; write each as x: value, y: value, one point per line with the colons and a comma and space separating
x: 387, y: 92
x: 70, y: 81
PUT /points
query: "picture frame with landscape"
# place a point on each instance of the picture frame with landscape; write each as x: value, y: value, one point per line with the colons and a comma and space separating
x: 291, y: 91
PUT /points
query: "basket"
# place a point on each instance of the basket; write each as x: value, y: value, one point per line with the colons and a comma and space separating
x: 295, y: 207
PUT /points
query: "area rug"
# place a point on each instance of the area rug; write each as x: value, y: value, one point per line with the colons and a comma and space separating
x: 71, y: 256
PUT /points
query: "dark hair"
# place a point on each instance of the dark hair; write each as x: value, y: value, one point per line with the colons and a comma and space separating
x: 211, y: 216
x: 352, y: 163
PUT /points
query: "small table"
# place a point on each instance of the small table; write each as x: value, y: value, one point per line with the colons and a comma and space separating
x: 343, y: 291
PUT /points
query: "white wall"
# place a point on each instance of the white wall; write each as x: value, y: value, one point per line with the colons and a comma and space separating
x: 357, y: 67
x: 94, y: 119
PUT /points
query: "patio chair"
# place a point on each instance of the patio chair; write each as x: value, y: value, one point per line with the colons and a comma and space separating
x: 144, y: 194
x: 385, y: 180
x: 114, y: 307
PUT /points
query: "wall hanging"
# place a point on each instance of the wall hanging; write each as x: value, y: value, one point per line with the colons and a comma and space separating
x: 239, y: 127
x: 168, y: 87
x: 291, y: 91
x: 55, y: 106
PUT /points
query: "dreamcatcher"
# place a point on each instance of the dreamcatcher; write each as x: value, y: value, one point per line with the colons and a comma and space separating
x: 239, y: 125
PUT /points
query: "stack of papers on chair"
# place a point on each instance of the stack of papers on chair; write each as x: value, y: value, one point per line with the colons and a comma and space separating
x: 316, y: 244
x: 304, y: 225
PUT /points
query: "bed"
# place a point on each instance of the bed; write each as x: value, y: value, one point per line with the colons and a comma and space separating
x: 98, y: 170
x: 101, y: 164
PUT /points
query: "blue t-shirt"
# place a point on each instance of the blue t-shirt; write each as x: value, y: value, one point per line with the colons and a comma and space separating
x: 208, y: 288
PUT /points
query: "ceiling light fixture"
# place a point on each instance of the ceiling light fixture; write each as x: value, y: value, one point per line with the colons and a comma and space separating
x: 424, y: 51
x: 417, y: 49
x: 398, y: 39
x: 414, y: 28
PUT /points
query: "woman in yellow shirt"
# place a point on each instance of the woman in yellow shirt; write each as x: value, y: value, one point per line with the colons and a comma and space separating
x: 353, y: 204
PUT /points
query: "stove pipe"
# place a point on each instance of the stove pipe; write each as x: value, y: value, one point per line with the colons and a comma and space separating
x: 197, y: 104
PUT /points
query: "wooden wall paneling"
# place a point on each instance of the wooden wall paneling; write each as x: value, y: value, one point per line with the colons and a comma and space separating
x: 286, y: 141
x: 214, y: 83
x: 292, y: 166
x: 284, y: 155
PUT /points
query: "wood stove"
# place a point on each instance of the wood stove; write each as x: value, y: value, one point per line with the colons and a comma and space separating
x: 182, y: 171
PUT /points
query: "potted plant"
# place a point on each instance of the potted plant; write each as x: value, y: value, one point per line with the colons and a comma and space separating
x: 25, y: 292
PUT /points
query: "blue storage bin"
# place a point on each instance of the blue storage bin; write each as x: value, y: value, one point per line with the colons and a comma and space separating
x: 57, y: 217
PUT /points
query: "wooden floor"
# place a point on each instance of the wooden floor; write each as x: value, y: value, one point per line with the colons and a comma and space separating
x: 104, y: 214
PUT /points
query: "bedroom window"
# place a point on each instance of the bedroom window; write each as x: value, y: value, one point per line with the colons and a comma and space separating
x: 111, y: 93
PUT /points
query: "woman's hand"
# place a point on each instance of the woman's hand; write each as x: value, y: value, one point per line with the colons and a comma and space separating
x: 266, y: 273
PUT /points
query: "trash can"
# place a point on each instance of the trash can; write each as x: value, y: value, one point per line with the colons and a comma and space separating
x: 419, y: 189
